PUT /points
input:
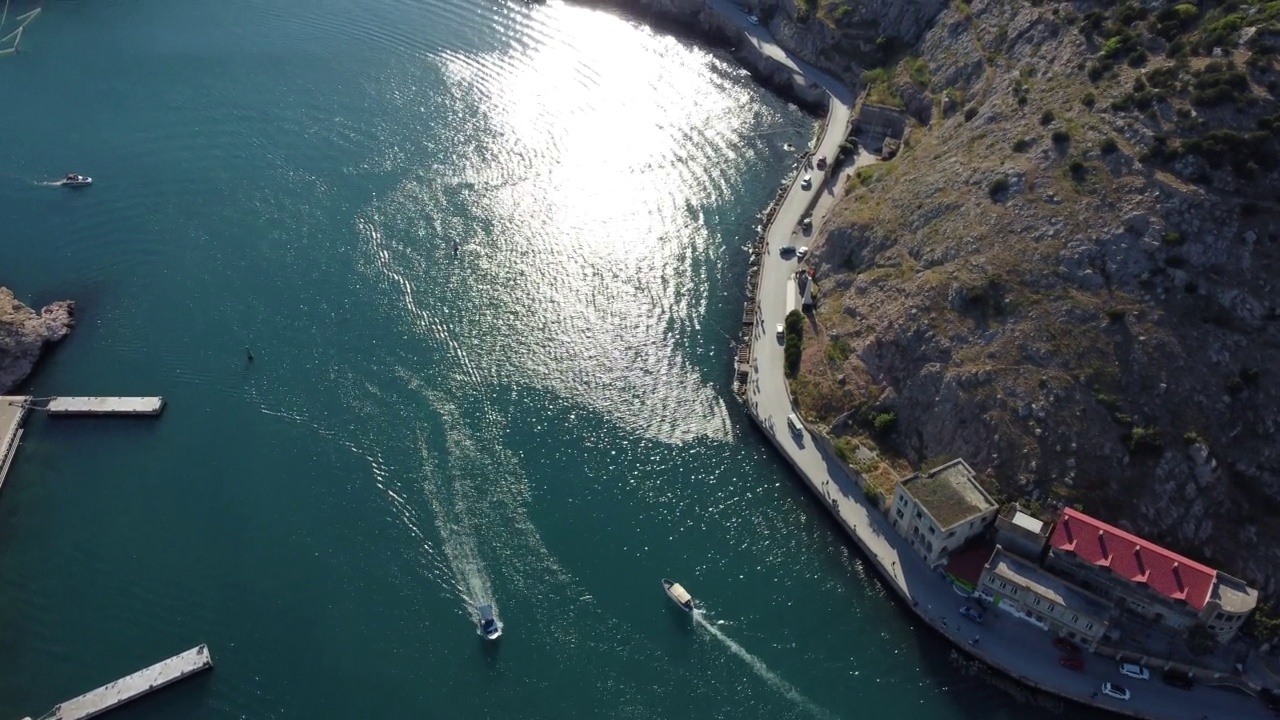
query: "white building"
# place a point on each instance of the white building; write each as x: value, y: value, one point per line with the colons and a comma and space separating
x: 940, y: 510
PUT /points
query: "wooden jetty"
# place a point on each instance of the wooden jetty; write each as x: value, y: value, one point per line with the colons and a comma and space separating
x: 105, y: 405
x: 132, y: 687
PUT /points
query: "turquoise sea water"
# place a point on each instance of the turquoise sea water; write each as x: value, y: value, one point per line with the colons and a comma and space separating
x: 543, y: 421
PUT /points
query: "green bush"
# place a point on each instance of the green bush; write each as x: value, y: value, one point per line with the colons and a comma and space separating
x: 1046, y: 117
x: 884, y: 422
x: 792, y: 350
x: 1108, y: 146
x: 791, y: 355
x: 1077, y: 168
x: 1022, y: 145
x: 920, y: 72
x: 794, y: 323
x: 1244, y: 153
x: 997, y: 187
x: 1061, y: 137
x: 1172, y: 239
x: 1145, y: 438
x: 970, y: 113
x: 1221, y: 33
x: 1161, y: 77
x: 1214, y: 88
x: 1089, y: 100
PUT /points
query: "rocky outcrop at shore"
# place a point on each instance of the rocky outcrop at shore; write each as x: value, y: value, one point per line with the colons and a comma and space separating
x: 24, y: 334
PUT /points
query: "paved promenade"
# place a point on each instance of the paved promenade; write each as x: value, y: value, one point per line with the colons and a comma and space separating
x: 1009, y: 644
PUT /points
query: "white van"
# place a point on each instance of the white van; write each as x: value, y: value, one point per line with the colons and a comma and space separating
x: 793, y: 422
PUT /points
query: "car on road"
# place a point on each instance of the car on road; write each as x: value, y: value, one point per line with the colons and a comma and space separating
x: 1071, y: 662
x: 821, y: 162
x: 753, y: 19
x: 806, y: 182
x: 802, y: 252
x: 1135, y: 671
x: 970, y: 613
x: 782, y: 331
x: 1115, y: 691
x: 1066, y: 646
x: 1180, y: 680
x: 807, y: 223
x: 786, y: 249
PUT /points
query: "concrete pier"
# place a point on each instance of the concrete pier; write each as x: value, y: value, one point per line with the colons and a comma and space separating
x: 13, y: 408
x: 113, y: 695
x: 105, y: 405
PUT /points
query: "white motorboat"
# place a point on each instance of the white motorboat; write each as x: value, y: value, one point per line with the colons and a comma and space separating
x: 489, y: 625
x: 75, y: 180
x: 678, y: 595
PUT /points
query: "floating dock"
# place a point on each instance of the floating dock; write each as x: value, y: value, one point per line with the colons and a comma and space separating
x: 105, y: 405
x: 132, y: 687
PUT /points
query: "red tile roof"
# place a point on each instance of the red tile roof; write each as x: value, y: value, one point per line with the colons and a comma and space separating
x: 1133, y: 558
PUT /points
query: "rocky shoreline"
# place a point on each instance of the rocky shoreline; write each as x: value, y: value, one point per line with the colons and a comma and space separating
x: 25, y: 334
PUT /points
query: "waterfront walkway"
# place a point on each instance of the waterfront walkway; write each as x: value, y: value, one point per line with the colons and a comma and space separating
x: 1004, y: 642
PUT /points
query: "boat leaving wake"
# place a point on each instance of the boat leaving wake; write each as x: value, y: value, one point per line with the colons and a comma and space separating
x: 772, y: 678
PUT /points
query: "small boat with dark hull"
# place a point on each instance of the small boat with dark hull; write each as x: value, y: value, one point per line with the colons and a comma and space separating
x: 678, y: 595
x: 75, y: 180
x: 489, y: 624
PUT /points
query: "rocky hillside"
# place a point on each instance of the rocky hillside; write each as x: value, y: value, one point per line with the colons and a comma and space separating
x: 1066, y: 276
x: 25, y: 333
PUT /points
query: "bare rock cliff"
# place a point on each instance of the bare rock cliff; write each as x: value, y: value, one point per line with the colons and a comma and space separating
x: 25, y: 333
x: 1069, y: 275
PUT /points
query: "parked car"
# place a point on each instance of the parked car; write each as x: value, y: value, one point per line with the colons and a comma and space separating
x: 1177, y: 679
x: 753, y: 19
x: 806, y: 182
x: 782, y: 331
x: 1067, y: 646
x: 1071, y: 662
x: 1115, y: 691
x: 1135, y: 671
x: 807, y: 223
x: 821, y: 162
x: 970, y: 613
x: 802, y: 252
x: 786, y: 249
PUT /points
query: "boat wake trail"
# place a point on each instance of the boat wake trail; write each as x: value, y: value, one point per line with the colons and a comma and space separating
x: 457, y: 536
x: 772, y: 678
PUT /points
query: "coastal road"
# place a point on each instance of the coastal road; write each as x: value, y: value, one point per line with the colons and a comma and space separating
x: 1017, y: 648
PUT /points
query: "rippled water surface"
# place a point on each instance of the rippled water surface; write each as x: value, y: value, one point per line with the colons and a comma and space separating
x: 541, y: 418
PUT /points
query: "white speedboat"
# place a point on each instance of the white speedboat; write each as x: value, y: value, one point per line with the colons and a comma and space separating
x: 678, y: 594
x: 489, y: 624
x: 75, y: 180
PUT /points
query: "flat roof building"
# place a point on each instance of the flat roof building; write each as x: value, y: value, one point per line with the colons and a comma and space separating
x: 940, y: 510
x: 1023, y: 589
x: 1020, y: 533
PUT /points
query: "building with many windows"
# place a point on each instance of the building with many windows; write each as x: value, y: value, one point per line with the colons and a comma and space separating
x: 1146, y: 579
x: 1023, y: 589
x: 940, y: 510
